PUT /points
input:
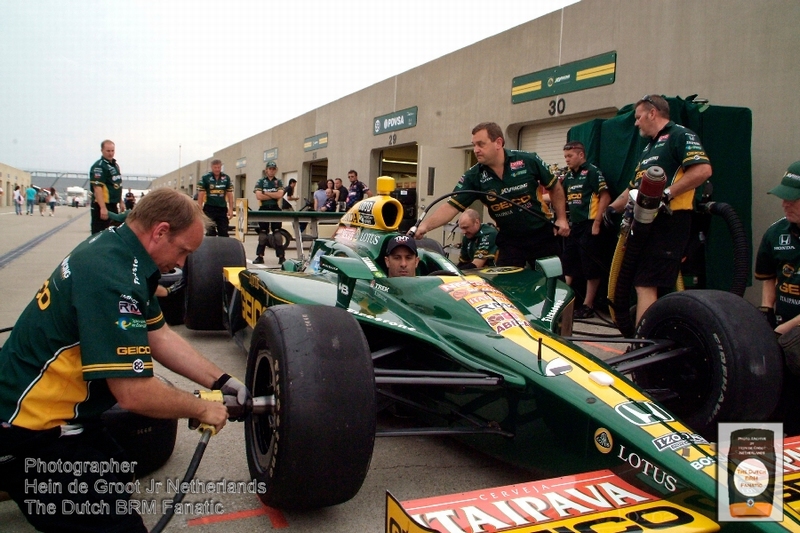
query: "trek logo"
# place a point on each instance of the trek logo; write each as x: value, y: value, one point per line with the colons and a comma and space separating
x: 129, y: 308
x: 642, y: 413
x: 133, y: 350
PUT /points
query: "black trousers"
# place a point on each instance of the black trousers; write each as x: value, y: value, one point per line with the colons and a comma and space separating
x: 58, y: 498
x: 220, y: 217
x: 98, y: 224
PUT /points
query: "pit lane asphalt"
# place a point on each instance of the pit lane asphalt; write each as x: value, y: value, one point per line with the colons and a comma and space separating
x: 409, y: 467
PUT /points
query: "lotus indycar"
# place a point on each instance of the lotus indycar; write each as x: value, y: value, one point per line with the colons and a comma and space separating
x: 484, y: 355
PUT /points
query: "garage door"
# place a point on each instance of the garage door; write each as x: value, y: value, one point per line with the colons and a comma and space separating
x: 548, y: 140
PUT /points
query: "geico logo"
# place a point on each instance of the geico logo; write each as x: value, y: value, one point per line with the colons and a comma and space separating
x: 662, y: 517
x: 574, y: 196
x: 251, y: 309
x: 790, y: 288
x: 133, y: 350
x: 499, y: 206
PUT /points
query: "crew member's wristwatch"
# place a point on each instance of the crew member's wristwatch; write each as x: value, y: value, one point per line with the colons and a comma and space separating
x: 667, y: 196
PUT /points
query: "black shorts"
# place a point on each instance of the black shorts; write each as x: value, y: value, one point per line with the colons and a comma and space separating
x: 586, y: 255
x: 660, y: 260
x: 516, y: 250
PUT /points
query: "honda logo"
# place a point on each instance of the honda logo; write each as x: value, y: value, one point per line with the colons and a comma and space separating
x: 643, y: 413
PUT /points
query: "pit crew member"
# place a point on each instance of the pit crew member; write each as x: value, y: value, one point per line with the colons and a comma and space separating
x: 678, y: 151
x: 269, y: 191
x: 516, y: 175
x: 587, y: 198
x: 215, y: 196
x: 478, y: 248
x: 106, y: 183
x: 87, y: 340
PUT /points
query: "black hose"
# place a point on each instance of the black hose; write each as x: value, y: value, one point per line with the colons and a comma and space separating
x: 190, y: 472
x: 741, y: 246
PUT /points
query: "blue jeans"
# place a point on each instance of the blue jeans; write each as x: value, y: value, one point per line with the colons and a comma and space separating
x: 30, y: 206
x: 18, y: 208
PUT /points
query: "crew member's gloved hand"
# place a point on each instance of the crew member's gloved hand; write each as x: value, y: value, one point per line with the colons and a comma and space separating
x: 175, y: 287
x: 233, y: 387
x: 769, y: 314
x: 608, y: 217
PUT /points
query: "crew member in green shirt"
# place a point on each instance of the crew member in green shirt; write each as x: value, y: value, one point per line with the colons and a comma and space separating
x: 215, y: 196
x: 88, y: 340
x: 677, y: 150
x: 269, y: 191
x: 478, y: 248
x: 522, y: 237
x: 106, y: 183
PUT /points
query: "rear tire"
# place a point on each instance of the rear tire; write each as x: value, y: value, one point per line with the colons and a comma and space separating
x: 314, y: 450
x: 735, y: 370
x: 205, y: 283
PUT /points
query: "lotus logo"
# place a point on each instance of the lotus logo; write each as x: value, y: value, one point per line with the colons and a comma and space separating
x: 603, y: 440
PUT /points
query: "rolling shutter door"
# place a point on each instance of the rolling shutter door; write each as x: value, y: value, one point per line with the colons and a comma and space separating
x: 548, y: 140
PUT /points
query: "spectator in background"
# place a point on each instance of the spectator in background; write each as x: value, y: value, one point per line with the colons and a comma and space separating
x: 215, y: 196
x: 478, y: 248
x: 43, y: 196
x: 52, y: 201
x: 357, y: 191
x: 30, y: 198
x: 330, y: 201
x: 320, y: 196
x: 341, y: 192
x: 18, y: 200
x: 130, y: 199
x: 585, y: 250
x: 106, y: 184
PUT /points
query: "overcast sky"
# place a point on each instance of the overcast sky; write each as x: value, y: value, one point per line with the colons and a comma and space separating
x: 153, y: 75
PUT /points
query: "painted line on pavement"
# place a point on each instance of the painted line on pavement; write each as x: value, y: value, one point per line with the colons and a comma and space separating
x: 19, y: 251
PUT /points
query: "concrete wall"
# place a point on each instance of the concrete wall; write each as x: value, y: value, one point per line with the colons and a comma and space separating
x: 732, y: 52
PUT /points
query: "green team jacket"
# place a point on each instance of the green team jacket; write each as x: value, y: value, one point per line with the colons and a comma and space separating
x: 216, y: 188
x: 106, y: 174
x: 85, y: 324
x: 779, y: 259
x: 522, y: 175
x: 481, y: 246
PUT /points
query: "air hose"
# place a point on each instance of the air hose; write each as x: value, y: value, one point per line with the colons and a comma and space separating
x: 190, y: 472
x: 741, y: 246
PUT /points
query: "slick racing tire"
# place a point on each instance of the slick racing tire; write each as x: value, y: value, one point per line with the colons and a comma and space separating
x: 173, y: 305
x: 205, y: 283
x: 148, y: 441
x: 315, y: 448
x: 734, y: 371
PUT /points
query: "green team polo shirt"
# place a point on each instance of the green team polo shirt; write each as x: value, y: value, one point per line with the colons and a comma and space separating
x: 85, y: 324
x: 481, y: 246
x: 106, y: 174
x: 522, y: 174
x: 264, y: 184
x: 582, y: 189
x: 216, y: 188
x: 779, y: 258
x: 674, y: 149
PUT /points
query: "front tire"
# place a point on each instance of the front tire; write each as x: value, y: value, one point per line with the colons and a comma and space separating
x: 735, y: 369
x: 314, y: 450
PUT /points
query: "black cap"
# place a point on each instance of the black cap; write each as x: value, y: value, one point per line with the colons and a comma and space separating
x: 401, y: 240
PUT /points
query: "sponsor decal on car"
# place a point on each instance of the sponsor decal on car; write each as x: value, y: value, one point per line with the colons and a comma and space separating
x: 642, y: 413
x: 603, y: 440
x: 677, y: 440
x: 585, y: 502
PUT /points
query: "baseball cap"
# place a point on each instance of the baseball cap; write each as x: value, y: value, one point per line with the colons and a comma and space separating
x: 401, y: 240
x: 789, y: 189
x: 272, y: 164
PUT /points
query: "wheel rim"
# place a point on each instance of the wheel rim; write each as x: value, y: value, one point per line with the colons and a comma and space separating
x: 690, y: 377
x: 262, y: 429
